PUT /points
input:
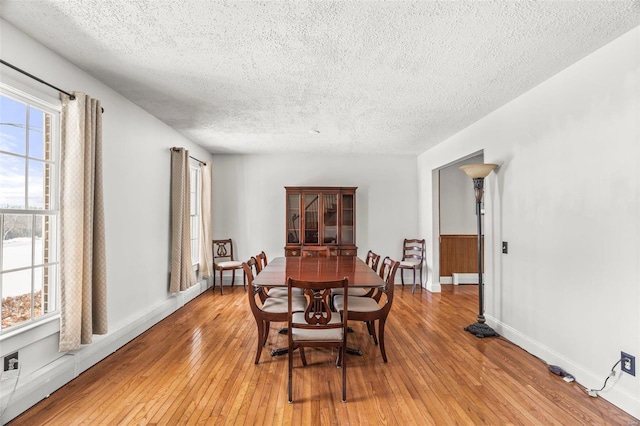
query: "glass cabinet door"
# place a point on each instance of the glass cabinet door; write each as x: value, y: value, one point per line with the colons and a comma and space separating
x: 311, y: 223
x: 293, y: 219
x: 330, y: 219
x: 348, y: 230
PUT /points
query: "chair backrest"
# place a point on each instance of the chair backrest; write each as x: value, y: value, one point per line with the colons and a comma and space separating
x: 262, y: 260
x: 413, y: 250
x: 222, y: 249
x: 250, y: 271
x: 318, y: 314
x: 372, y: 260
x: 388, y: 269
x: 315, y: 251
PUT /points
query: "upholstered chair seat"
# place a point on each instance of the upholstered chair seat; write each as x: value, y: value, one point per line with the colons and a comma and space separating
x: 277, y: 305
x: 356, y: 304
x: 282, y: 292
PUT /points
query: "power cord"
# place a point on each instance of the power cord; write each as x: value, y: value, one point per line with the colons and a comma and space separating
x: 594, y: 392
x: 12, y: 375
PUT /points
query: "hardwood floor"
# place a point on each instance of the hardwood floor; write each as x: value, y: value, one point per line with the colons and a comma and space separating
x: 196, y: 367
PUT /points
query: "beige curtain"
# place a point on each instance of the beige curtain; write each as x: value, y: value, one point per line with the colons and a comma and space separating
x: 182, y: 276
x: 83, y: 268
x: 206, y: 250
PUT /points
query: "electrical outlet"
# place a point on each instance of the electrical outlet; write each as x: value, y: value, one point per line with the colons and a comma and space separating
x: 628, y: 363
x: 505, y: 247
x: 11, y: 362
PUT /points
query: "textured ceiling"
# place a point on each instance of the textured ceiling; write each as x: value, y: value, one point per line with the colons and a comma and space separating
x: 370, y: 77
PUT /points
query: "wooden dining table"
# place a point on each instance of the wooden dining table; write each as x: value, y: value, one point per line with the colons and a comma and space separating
x: 277, y: 271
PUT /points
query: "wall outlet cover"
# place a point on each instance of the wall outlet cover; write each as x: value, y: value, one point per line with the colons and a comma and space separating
x: 628, y: 363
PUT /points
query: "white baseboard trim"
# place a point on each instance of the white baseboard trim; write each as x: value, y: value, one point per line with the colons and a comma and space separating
x: 465, y: 278
x: 446, y: 280
x: 434, y: 287
x: 585, y: 378
x: 38, y: 385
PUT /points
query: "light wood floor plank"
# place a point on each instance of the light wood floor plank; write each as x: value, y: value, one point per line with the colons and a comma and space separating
x: 196, y: 367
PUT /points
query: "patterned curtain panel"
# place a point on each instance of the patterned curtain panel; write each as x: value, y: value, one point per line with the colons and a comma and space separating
x: 182, y: 276
x: 206, y: 248
x: 83, y: 270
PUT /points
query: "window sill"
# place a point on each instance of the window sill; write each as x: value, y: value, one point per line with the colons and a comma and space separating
x: 24, y: 336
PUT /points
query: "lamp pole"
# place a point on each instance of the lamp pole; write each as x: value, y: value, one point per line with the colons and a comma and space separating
x: 478, y: 186
x: 478, y: 172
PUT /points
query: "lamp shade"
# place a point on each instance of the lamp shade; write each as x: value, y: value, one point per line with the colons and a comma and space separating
x: 478, y: 170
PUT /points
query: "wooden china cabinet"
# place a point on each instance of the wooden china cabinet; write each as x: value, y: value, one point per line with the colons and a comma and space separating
x: 321, y: 216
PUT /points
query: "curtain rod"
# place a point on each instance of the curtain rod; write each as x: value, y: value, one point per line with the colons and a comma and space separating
x: 194, y: 158
x: 70, y: 95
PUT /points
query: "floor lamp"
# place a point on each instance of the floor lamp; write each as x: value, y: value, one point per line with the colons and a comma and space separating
x: 478, y: 172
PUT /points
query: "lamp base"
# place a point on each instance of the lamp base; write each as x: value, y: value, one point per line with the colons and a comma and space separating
x: 481, y: 329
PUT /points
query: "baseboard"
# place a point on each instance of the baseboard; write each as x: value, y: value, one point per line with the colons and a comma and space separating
x: 465, y: 278
x: 35, y: 387
x: 585, y: 378
x: 41, y: 383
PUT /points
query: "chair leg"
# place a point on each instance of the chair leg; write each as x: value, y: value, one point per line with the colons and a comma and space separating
x: 260, y: 325
x: 290, y: 374
x: 413, y: 289
x: 221, y: 291
x: 233, y: 277
x: 372, y: 326
x: 244, y: 280
x: 402, y: 276
x: 371, y: 332
x: 344, y: 372
x: 214, y: 281
x: 267, y: 326
x: 303, y: 357
x: 381, y: 334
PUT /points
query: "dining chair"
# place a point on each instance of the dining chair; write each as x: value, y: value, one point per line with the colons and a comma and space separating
x: 261, y: 260
x: 267, y: 309
x: 413, y: 252
x: 272, y: 291
x: 317, y: 325
x: 372, y: 260
x: 376, y: 308
x: 223, y: 249
x: 317, y: 251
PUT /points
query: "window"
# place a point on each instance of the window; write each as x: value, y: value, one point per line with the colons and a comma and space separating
x: 29, y: 135
x: 194, y: 174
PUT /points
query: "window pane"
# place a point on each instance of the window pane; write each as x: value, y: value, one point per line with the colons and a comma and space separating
x: 12, y: 181
x: 29, y: 244
x: 16, y: 297
x: 311, y: 219
x: 36, y: 133
x: 36, y: 184
x: 13, y: 126
x: 330, y: 218
x: 16, y: 242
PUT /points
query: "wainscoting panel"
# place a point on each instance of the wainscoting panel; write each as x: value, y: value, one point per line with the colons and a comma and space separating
x: 458, y: 254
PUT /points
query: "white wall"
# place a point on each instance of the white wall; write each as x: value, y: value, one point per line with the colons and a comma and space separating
x: 457, y: 199
x: 136, y: 161
x: 567, y: 199
x: 249, y: 198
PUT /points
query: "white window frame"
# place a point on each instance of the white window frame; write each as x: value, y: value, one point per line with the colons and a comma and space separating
x: 53, y: 211
x: 195, y: 215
